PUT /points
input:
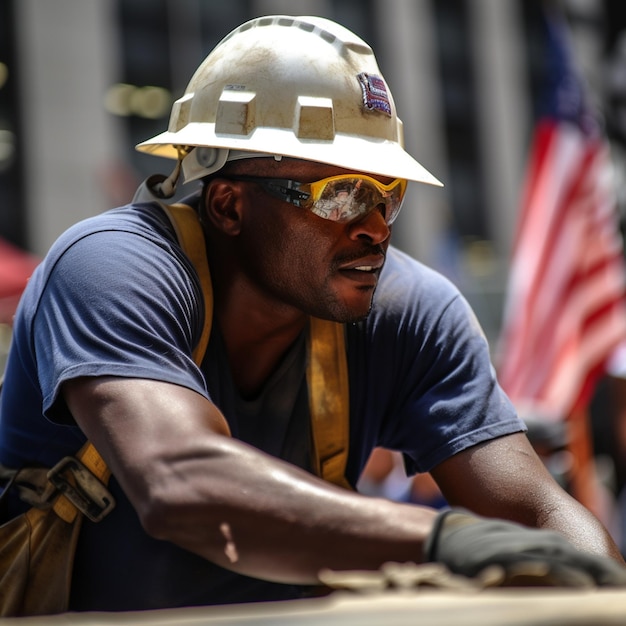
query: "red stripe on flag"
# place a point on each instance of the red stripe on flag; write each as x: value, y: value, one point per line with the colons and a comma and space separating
x: 565, y: 310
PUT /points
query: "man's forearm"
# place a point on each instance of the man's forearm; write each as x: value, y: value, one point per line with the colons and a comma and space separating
x: 262, y: 517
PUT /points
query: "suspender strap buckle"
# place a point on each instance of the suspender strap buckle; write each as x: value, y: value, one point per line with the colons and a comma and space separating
x: 82, y: 488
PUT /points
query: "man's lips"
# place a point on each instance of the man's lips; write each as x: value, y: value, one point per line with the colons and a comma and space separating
x: 363, y: 271
x: 370, y: 263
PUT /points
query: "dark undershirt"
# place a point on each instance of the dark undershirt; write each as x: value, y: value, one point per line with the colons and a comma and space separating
x: 277, y: 419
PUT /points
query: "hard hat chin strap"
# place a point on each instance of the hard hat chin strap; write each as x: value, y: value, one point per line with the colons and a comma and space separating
x: 159, y: 187
x: 151, y: 190
x: 167, y: 188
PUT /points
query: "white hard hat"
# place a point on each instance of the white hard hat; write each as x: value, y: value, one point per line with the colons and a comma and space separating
x: 302, y: 87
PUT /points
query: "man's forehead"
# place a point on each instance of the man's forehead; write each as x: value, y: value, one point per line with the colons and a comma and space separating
x: 288, y: 167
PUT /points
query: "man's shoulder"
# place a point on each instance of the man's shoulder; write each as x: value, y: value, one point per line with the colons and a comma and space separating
x: 129, y: 239
x: 144, y: 218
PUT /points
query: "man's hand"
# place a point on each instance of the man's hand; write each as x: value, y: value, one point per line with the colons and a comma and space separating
x: 472, y: 546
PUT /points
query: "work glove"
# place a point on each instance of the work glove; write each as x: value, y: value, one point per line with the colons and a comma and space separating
x: 510, y: 554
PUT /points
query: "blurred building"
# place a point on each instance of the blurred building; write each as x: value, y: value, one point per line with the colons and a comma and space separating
x: 82, y: 81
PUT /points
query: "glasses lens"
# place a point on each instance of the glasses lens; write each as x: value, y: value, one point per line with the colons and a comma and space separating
x: 343, y: 199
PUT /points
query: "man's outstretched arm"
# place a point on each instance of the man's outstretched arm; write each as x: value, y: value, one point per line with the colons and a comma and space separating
x: 195, y: 486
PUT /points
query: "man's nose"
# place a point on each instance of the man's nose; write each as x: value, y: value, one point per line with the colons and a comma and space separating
x: 372, y: 225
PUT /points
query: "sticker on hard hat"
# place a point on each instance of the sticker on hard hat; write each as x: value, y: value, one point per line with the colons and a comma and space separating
x: 375, y: 97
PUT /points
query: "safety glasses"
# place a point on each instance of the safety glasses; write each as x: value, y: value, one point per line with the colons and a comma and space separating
x: 338, y: 198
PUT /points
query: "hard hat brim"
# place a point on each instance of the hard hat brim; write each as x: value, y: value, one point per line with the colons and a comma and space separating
x: 354, y: 153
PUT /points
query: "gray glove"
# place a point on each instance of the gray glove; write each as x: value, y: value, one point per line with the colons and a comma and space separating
x: 470, y: 545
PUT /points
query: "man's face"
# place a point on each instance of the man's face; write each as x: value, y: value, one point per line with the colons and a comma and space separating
x: 321, y: 267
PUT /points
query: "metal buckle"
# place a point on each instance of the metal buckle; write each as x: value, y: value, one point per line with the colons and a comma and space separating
x: 88, y: 494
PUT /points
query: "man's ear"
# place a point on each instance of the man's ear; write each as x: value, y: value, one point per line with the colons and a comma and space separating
x: 222, y: 206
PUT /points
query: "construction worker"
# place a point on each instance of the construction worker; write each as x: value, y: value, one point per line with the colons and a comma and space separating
x: 236, y: 412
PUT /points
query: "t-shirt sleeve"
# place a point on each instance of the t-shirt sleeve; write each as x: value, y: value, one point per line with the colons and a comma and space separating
x: 456, y: 401
x: 117, y: 303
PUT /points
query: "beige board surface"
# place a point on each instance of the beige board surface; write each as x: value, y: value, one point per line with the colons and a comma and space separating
x: 432, y: 607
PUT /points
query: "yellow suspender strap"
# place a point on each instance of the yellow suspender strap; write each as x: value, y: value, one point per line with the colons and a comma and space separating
x: 327, y: 379
x: 191, y: 238
x: 327, y: 369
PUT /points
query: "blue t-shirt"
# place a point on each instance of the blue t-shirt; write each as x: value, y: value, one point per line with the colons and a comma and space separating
x: 116, y: 296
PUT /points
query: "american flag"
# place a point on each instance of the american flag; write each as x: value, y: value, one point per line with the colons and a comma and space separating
x: 565, y: 309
